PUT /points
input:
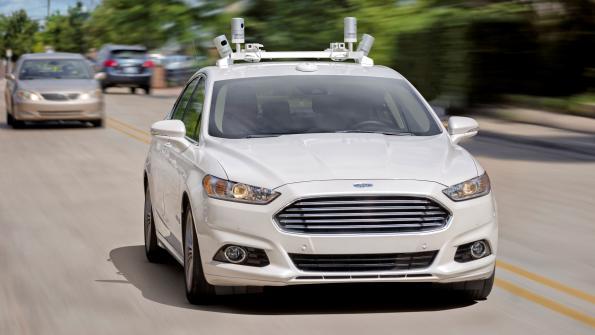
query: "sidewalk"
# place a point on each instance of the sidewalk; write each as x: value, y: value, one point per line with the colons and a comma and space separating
x: 567, y: 122
x: 556, y: 131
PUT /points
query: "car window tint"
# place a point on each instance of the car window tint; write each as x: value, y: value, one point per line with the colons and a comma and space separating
x: 191, y: 117
x: 183, y: 101
x: 317, y: 104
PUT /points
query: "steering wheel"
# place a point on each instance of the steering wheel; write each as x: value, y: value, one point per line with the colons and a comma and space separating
x: 371, y: 125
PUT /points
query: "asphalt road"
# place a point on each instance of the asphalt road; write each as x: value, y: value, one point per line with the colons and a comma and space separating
x: 72, y: 262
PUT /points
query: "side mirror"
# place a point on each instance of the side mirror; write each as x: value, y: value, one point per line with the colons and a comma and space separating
x: 10, y: 76
x: 169, y: 128
x: 460, y: 128
x: 100, y: 76
x: 173, y: 131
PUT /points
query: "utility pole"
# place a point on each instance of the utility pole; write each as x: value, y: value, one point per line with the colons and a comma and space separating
x: 48, y: 16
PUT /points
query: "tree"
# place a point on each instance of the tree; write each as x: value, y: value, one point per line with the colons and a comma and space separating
x: 67, y: 32
x: 16, y: 33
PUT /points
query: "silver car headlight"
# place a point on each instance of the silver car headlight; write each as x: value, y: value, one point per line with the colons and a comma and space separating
x: 28, y: 95
x: 472, y: 188
x: 90, y: 94
x: 228, y: 190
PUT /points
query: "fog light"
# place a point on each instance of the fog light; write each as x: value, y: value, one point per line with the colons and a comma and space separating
x: 471, y: 251
x: 479, y: 249
x: 241, y: 255
x: 234, y: 254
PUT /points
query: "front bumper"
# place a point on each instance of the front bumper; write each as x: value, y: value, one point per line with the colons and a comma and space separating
x: 91, y: 109
x: 127, y: 80
x: 223, y: 222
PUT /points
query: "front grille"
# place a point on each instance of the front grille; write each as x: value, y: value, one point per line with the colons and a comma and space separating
x: 364, y: 262
x: 60, y: 96
x: 362, y: 214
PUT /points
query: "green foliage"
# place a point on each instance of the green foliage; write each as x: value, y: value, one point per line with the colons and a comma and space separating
x: 66, y: 32
x: 150, y: 23
x: 16, y: 33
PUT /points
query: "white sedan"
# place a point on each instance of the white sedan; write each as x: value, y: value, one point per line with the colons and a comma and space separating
x: 267, y: 175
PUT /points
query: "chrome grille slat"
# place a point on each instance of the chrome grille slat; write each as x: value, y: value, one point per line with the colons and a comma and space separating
x: 359, y: 208
x: 362, y: 202
x: 313, y: 215
x: 362, y: 214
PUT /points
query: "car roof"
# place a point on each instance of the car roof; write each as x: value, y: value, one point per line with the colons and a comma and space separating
x: 52, y: 55
x: 111, y: 47
x: 266, y: 69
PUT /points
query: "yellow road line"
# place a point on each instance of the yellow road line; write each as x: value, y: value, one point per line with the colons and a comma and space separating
x: 545, y: 302
x: 546, y: 281
x: 143, y: 136
x: 126, y: 125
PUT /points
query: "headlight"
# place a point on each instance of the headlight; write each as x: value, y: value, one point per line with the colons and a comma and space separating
x: 28, y: 95
x: 90, y: 94
x: 228, y: 190
x: 472, y: 188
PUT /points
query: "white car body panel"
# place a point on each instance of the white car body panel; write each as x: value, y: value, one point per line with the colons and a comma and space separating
x: 312, y: 165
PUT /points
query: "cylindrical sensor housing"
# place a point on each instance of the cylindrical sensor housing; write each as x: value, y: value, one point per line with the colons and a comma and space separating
x: 366, y: 44
x: 350, y: 30
x: 222, y: 46
x: 237, y: 30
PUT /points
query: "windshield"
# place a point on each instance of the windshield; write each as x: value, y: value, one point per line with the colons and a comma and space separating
x: 55, y: 69
x: 273, y: 106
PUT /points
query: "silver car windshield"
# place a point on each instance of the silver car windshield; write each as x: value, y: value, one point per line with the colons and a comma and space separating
x: 280, y: 105
x: 54, y: 69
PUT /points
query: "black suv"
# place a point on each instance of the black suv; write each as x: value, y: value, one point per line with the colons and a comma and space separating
x: 125, y: 66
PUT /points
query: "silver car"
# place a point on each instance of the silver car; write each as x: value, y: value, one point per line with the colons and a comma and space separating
x: 53, y: 86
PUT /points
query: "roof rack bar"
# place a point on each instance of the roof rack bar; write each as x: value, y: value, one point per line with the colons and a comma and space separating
x: 253, y: 53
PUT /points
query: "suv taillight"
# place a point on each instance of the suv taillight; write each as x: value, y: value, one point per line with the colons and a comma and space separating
x: 148, y: 63
x: 110, y: 63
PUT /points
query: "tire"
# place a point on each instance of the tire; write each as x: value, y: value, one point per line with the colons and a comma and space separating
x: 97, y: 123
x: 198, y: 290
x: 104, y: 88
x: 133, y: 90
x: 152, y: 249
x: 147, y: 90
x: 475, y: 289
x: 9, y: 119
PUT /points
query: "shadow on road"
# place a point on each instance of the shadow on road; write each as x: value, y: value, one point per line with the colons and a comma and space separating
x: 164, y: 283
x: 59, y: 125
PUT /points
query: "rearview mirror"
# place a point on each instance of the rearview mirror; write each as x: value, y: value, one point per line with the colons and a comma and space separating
x: 461, y: 128
x: 99, y: 76
x: 169, y: 128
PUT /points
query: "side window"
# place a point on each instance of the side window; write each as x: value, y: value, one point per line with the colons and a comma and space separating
x: 180, y: 106
x: 191, y: 117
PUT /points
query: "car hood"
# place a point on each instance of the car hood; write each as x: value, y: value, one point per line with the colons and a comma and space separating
x: 58, y: 85
x: 276, y: 161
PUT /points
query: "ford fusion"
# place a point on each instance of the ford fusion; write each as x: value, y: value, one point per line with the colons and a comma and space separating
x: 268, y: 175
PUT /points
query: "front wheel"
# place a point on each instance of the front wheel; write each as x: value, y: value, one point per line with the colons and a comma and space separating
x: 147, y: 89
x: 475, y: 289
x: 198, y: 290
x: 9, y: 119
x: 152, y: 249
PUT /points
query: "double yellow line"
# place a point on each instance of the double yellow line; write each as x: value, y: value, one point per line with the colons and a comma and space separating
x: 129, y: 130
x: 145, y: 137
x: 543, y: 301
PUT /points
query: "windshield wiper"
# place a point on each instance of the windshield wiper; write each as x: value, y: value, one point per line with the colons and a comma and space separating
x: 390, y: 133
